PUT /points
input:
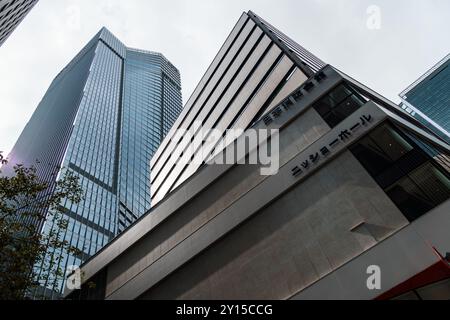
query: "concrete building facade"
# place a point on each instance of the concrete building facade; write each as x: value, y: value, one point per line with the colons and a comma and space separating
x: 361, y: 187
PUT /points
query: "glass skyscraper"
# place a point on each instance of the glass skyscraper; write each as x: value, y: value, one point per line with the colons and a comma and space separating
x: 12, y: 12
x: 102, y: 118
x: 428, y: 99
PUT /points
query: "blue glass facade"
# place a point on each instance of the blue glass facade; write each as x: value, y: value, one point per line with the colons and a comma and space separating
x: 151, y: 104
x: 429, y: 99
x: 112, y: 105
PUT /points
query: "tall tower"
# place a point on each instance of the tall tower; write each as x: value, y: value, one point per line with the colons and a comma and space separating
x: 12, y: 12
x: 102, y: 118
x: 428, y: 99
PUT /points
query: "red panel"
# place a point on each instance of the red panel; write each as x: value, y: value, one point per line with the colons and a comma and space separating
x: 437, y: 272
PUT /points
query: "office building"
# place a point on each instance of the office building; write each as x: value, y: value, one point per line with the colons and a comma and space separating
x: 12, y: 12
x: 428, y: 99
x: 254, y: 70
x: 357, y: 210
x: 102, y: 118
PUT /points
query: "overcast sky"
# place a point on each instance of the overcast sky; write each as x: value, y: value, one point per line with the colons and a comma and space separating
x: 412, y: 36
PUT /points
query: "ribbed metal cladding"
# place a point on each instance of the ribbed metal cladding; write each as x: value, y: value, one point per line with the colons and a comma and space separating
x: 252, y: 71
x: 12, y: 12
x: 305, y: 56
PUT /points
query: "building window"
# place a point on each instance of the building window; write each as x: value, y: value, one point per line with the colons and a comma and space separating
x: 413, y: 180
x: 436, y: 291
x: 338, y: 104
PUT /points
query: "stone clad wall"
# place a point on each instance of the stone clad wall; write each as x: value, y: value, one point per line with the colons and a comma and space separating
x: 294, y: 242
